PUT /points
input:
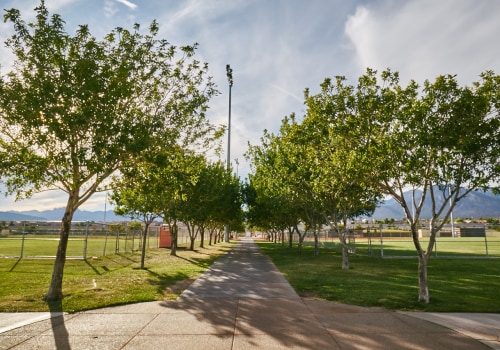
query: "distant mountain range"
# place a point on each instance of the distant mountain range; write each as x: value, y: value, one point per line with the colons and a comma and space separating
x: 57, y: 214
x: 476, y: 204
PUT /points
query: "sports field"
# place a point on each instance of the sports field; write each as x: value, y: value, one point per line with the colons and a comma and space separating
x: 449, y: 247
x: 40, y: 240
x: 404, y: 247
x: 78, y: 247
x: 464, y: 284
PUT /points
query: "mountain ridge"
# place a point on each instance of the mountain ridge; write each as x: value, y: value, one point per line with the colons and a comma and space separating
x: 56, y: 214
x: 476, y: 204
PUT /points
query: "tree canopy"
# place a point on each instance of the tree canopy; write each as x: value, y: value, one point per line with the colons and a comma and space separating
x: 74, y: 109
x: 358, y: 142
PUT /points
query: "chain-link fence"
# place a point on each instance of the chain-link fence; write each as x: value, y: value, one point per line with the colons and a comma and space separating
x: 472, y: 241
x: 39, y: 239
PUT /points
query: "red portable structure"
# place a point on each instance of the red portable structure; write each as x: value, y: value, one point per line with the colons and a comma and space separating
x: 165, y: 237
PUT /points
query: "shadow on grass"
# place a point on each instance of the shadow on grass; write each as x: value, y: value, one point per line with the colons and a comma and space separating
x: 93, y: 267
x: 456, y: 285
x: 132, y: 258
x: 15, y: 265
x: 201, y: 262
x: 169, y: 284
x: 120, y: 260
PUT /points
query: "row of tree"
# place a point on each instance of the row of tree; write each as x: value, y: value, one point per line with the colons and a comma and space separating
x: 126, y: 113
x: 180, y: 187
x: 359, y: 143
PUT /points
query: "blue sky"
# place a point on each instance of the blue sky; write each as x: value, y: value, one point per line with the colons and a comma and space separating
x: 277, y: 48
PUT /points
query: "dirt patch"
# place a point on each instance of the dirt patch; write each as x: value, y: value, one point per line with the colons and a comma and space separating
x: 175, y: 290
x: 309, y: 295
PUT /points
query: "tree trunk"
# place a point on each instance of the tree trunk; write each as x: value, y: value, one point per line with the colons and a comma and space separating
x: 423, y: 259
x: 144, y: 242
x: 192, y: 235
x: 290, y: 238
x: 423, y: 283
x: 210, y: 235
x: 345, y: 258
x: 173, y: 246
x: 202, y: 236
x: 345, y: 250
x: 316, y: 242
x: 301, y: 241
x: 55, y: 289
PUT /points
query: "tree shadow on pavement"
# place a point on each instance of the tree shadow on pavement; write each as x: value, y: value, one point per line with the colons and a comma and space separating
x: 245, y: 297
x: 61, y: 336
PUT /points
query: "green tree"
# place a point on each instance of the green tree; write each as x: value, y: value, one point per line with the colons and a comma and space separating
x: 173, y: 178
x: 439, y: 138
x: 223, y: 198
x: 282, y: 180
x: 136, y: 199
x: 151, y: 188
x: 212, y: 199
x: 340, y: 134
x: 319, y: 167
x: 75, y: 110
x: 189, y: 208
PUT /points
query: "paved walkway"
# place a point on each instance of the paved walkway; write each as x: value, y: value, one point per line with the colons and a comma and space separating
x: 243, y: 302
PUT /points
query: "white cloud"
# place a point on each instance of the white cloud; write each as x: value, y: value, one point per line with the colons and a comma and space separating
x: 424, y: 38
x: 278, y: 48
x: 110, y: 8
x: 49, y: 200
x: 128, y: 4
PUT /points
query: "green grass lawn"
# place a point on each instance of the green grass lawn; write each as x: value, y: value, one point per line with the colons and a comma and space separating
x: 456, y: 285
x: 103, y: 281
x: 38, y: 245
x: 404, y: 247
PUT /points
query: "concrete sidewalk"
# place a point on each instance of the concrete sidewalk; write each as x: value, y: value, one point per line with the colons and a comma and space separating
x: 243, y: 302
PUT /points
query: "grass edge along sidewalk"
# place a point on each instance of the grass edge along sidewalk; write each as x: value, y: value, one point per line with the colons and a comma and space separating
x: 104, y: 281
x: 456, y: 285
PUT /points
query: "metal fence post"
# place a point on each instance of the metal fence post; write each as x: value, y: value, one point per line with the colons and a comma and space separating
x: 117, y: 241
x: 381, y: 242
x: 85, y: 241
x: 126, y: 239
x: 486, y: 244
x: 105, y: 228
x: 22, y: 241
x: 369, y: 234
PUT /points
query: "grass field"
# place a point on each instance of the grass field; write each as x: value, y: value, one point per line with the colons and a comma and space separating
x: 404, y: 247
x: 46, y: 245
x: 103, y: 281
x: 456, y: 285
x: 459, y: 284
x: 78, y: 247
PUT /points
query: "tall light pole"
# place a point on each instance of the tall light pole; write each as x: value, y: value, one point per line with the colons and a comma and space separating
x: 229, y: 73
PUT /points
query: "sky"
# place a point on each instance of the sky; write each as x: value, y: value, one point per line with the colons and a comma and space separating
x: 278, y: 48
